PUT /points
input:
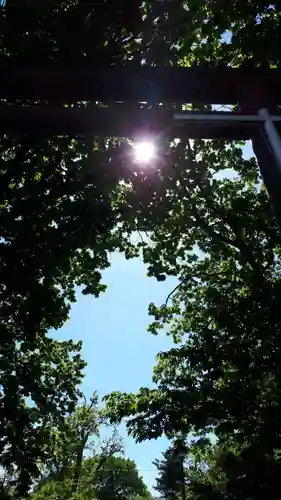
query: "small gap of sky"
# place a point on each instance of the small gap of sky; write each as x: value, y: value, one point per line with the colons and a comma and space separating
x: 119, y: 351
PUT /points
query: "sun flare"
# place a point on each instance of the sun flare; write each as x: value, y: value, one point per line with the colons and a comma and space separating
x: 144, y: 151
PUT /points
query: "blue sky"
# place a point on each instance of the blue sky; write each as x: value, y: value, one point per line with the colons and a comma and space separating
x: 119, y: 351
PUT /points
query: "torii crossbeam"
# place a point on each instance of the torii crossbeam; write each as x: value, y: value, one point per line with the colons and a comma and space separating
x: 136, y: 83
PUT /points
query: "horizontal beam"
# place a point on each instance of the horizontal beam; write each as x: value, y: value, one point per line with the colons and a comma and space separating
x: 225, y: 117
x: 137, y: 83
x: 120, y: 122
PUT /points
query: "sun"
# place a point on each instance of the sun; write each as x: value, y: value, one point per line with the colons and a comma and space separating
x: 144, y: 151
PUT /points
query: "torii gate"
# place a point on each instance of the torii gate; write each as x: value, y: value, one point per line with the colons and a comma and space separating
x: 256, y: 92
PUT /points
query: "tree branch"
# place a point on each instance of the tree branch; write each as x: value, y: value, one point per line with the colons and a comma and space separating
x: 173, y: 291
x: 193, y: 279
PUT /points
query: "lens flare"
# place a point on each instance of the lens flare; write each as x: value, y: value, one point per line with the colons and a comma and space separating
x: 144, y: 151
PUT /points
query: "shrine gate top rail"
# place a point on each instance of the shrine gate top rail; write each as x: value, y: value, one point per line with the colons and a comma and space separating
x: 61, y: 84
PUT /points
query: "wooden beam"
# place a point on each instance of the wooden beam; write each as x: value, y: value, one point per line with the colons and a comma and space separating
x: 136, y: 83
x: 115, y: 122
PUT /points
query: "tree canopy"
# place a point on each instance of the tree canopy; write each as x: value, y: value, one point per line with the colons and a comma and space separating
x: 170, y: 479
x: 100, y: 478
